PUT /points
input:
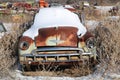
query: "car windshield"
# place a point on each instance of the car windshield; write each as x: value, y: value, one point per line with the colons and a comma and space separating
x: 2, y: 28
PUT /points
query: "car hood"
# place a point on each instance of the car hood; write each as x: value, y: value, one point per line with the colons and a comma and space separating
x: 54, y: 17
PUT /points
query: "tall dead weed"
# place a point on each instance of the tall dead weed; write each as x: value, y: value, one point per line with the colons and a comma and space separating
x: 108, y: 45
x: 8, y: 49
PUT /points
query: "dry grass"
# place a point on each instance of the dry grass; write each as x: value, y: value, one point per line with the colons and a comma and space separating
x: 15, y: 18
x: 9, y: 55
x: 71, y: 71
x: 95, y: 14
x: 8, y: 50
x: 108, y: 45
x: 8, y: 46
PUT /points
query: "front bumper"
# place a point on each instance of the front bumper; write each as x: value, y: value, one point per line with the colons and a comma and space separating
x: 34, y: 57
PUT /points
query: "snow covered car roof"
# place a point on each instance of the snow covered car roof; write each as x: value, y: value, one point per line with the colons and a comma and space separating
x: 55, y: 17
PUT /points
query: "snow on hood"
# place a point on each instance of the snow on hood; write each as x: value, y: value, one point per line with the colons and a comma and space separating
x: 68, y: 6
x: 54, y: 17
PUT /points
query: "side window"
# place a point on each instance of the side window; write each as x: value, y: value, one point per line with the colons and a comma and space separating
x: 81, y: 16
x: 2, y: 28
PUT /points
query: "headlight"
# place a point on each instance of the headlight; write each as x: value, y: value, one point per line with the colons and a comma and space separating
x: 90, y: 43
x: 24, y: 45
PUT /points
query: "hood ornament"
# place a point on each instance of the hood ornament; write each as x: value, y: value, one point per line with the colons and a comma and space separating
x: 54, y: 40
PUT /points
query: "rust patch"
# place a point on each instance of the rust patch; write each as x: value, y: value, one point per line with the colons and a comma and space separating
x: 86, y: 36
x: 71, y: 9
x: 27, y: 39
x: 57, y: 36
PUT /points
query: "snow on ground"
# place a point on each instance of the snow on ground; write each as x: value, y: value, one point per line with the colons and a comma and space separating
x: 113, y: 18
x: 18, y: 76
x: 9, y: 26
x: 2, y: 34
x: 100, y: 74
x: 91, y: 24
x: 104, y: 8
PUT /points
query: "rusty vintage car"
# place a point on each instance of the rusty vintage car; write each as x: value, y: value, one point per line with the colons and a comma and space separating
x: 56, y: 36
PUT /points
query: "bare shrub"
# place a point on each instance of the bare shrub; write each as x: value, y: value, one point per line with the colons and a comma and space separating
x: 108, y: 46
x: 8, y: 50
x: 75, y: 70
x: 9, y: 43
